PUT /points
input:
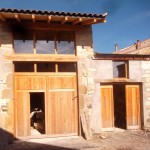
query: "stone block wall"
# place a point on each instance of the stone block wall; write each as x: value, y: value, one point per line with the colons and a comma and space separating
x: 86, y: 72
x: 145, y: 73
x: 6, y: 87
x: 139, y: 71
x: 103, y: 72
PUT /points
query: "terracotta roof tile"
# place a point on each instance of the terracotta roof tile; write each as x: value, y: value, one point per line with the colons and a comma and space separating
x: 41, y: 12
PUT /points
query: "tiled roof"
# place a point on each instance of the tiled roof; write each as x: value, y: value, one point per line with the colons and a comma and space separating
x: 51, y: 17
x: 140, y: 47
x: 40, y: 12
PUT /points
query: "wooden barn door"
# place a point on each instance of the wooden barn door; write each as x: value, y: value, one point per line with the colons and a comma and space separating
x: 62, y: 114
x: 133, y: 106
x: 107, y: 107
x: 22, y: 114
x: 24, y: 84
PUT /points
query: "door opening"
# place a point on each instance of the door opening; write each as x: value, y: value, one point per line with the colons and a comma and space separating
x: 37, y: 113
x: 119, y: 106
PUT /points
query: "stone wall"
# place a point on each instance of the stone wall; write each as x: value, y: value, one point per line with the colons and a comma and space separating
x: 85, y: 78
x: 103, y: 72
x: 145, y: 73
x: 139, y: 71
x: 6, y: 87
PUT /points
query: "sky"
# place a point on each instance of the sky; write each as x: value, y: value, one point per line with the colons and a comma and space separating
x: 127, y: 20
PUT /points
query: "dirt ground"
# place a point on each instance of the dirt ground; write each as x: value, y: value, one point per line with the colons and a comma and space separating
x: 120, y: 140
x: 125, y: 140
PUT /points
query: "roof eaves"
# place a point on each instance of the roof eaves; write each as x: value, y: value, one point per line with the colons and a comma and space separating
x: 40, y: 12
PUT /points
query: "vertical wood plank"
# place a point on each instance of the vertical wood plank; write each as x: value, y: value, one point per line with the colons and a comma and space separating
x: 62, y: 105
x: 23, y: 114
x: 133, y: 106
x: 107, y: 108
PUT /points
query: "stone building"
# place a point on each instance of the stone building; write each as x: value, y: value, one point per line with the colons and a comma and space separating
x: 122, y: 92
x: 53, y: 84
x: 46, y: 74
x: 140, y: 47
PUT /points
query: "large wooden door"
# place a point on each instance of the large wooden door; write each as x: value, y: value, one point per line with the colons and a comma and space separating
x: 133, y: 106
x: 62, y: 115
x: 24, y: 84
x: 107, y: 108
x: 22, y: 114
x: 61, y: 111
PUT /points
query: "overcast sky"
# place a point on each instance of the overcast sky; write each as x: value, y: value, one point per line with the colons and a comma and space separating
x: 127, y: 20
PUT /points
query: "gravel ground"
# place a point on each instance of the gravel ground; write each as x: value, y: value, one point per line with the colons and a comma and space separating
x: 125, y: 140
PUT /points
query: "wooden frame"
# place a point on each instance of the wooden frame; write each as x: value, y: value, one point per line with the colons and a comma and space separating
x: 55, y: 43
x: 133, y: 104
x: 34, y: 69
x: 47, y: 89
x: 126, y: 69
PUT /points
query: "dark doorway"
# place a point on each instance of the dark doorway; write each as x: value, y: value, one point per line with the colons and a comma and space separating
x: 37, y: 113
x: 119, y: 106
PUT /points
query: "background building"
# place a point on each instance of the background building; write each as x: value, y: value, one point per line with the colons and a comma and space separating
x: 140, y: 47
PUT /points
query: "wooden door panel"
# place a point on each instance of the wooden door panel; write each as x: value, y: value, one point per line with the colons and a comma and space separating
x: 30, y: 82
x: 23, y: 114
x: 62, y: 112
x: 133, y: 106
x: 61, y: 82
x: 107, y: 111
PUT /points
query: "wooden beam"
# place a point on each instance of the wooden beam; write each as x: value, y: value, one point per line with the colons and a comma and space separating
x: 49, y: 19
x: 17, y: 17
x: 2, y: 18
x: 64, y: 20
x: 33, y: 17
x: 103, y: 20
x: 40, y: 57
x: 76, y: 21
x: 90, y: 21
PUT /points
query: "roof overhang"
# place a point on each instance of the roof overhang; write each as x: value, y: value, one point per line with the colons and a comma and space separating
x: 51, y: 17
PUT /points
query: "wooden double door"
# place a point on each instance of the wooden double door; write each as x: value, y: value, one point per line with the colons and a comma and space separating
x: 59, y: 103
x: 120, y: 106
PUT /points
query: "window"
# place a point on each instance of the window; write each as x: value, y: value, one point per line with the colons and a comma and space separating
x: 66, y: 67
x: 65, y: 43
x: 120, y: 69
x: 23, y: 42
x: 50, y: 67
x: 45, y: 67
x: 24, y: 67
x: 44, y: 42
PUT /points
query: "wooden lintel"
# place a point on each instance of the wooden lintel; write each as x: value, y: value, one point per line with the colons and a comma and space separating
x: 76, y: 21
x: 49, y: 19
x: 17, y: 17
x: 64, y: 20
x: 33, y: 17
x: 2, y: 18
x: 38, y: 57
x: 88, y: 22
